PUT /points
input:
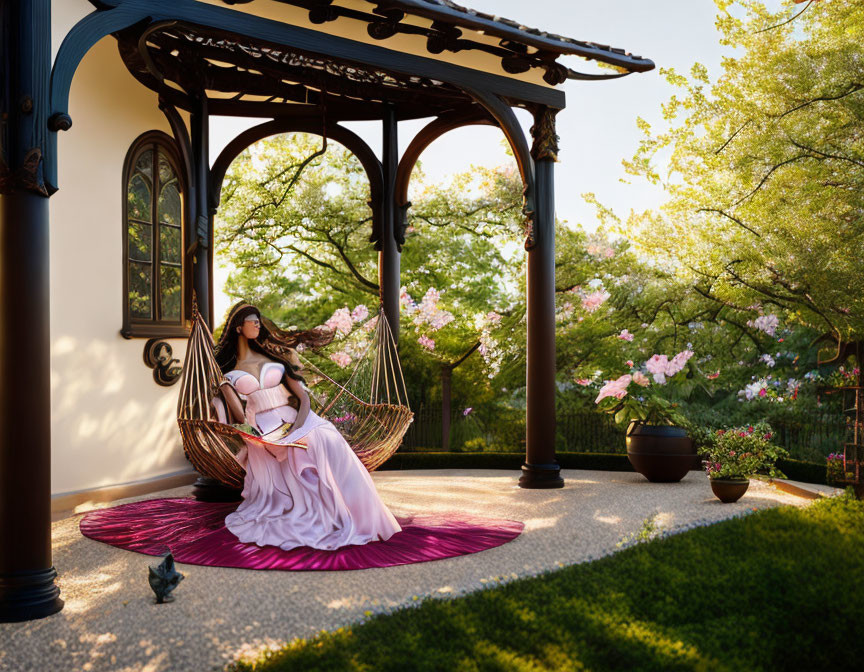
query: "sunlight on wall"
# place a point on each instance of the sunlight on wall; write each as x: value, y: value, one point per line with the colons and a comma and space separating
x: 111, y: 422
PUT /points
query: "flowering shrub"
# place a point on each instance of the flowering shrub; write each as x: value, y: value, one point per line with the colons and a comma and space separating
x: 648, y: 406
x: 765, y: 323
x: 741, y: 452
x: 342, y: 359
x: 770, y: 389
x: 593, y: 300
x: 834, y: 471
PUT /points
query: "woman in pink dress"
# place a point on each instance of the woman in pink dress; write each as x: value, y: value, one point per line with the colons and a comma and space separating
x: 318, y: 495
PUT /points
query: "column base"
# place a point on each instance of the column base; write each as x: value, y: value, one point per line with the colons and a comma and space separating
x: 26, y: 596
x: 210, y: 490
x: 541, y: 476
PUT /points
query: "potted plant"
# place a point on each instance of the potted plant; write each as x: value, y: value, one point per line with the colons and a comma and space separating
x: 658, y: 445
x: 737, y: 454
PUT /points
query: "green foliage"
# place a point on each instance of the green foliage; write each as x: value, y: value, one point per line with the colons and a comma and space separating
x: 742, y: 452
x: 766, y: 170
x: 294, y: 227
x: 646, y: 532
x: 724, y: 597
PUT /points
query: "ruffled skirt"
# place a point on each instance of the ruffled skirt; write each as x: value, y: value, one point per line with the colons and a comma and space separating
x: 321, y: 497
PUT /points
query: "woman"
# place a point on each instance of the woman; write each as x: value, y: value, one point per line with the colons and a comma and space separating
x: 319, y: 495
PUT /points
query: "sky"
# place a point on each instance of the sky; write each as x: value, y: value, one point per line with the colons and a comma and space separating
x: 598, y: 128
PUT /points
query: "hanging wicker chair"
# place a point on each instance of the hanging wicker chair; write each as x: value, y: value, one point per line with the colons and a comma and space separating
x: 373, y: 428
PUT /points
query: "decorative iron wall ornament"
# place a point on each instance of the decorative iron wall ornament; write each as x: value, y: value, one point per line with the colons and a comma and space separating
x: 159, y: 356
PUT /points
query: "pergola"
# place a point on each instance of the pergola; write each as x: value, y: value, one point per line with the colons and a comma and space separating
x: 206, y: 58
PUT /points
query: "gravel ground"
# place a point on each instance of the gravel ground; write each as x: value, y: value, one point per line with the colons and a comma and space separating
x: 111, y: 623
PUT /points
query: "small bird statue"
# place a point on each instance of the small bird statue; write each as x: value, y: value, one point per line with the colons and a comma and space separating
x: 164, y: 578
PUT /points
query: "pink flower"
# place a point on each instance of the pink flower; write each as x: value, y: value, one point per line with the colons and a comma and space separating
x: 614, y: 388
x: 765, y: 323
x: 592, y: 301
x: 371, y: 324
x: 342, y: 359
x: 426, y: 342
x: 467, y: 411
x: 641, y: 379
x: 712, y: 376
x: 731, y: 453
x: 629, y: 363
x: 492, y: 317
x: 767, y: 436
x: 583, y: 381
x: 429, y: 313
x: 750, y: 429
x: 408, y: 304
x: 360, y: 313
x: 763, y: 392
x: 657, y: 367
x: 340, y: 321
x: 625, y: 335
x: 678, y: 362
x: 721, y: 432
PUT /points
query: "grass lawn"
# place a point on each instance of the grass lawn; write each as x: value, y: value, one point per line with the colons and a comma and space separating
x: 781, y: 589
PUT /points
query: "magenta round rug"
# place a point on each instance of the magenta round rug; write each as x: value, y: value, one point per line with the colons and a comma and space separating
x: 195, y: 533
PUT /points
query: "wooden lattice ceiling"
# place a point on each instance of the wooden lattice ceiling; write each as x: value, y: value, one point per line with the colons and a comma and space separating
x: 242, y: 76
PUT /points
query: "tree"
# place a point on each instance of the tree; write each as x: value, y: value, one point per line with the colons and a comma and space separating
x: 295, y: 225
x: 765, y: 200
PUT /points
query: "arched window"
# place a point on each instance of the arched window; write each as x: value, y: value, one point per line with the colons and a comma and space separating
x: 154, y: 294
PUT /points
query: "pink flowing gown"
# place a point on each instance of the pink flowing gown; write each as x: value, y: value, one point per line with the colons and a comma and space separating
x: 321, y: 497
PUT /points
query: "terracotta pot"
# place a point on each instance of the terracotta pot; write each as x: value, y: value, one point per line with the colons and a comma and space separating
x: 661, y: 453
x: 729, y: 490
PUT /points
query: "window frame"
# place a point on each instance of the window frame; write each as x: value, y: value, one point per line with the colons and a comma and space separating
x: 159, y: 143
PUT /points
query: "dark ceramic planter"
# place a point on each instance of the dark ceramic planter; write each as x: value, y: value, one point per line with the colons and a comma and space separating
x: 729, y: 490
x: 661, y: 453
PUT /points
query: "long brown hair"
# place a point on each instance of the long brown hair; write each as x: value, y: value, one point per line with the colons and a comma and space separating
x: 273, y: 342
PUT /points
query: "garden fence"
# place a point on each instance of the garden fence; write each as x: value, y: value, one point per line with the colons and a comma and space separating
x: 810, y: 438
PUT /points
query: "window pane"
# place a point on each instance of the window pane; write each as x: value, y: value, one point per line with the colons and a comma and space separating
x: 170, y: 279
x: 138, y: 198
x: 144, y: 165
x: 166, y: 172
x: 169, y: 193
x: 139, y: 290
x: 140, y: 241
x: 170, y: 246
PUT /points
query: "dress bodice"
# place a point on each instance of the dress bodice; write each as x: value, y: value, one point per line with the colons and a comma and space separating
x: 263, y: 394
x: 246, y: 383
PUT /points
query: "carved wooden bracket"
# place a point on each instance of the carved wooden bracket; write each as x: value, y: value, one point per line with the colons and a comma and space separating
x: 543, y: 131
x: 159, y: 356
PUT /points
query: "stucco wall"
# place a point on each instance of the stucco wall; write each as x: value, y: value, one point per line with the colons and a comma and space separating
x: 111, y: 423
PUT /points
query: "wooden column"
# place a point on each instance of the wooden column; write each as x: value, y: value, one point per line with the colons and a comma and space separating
x: 27, y: 589
x: 201, y: 234
x: 388, y: 250
x: 540, y: 469
x: 201, y: 237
